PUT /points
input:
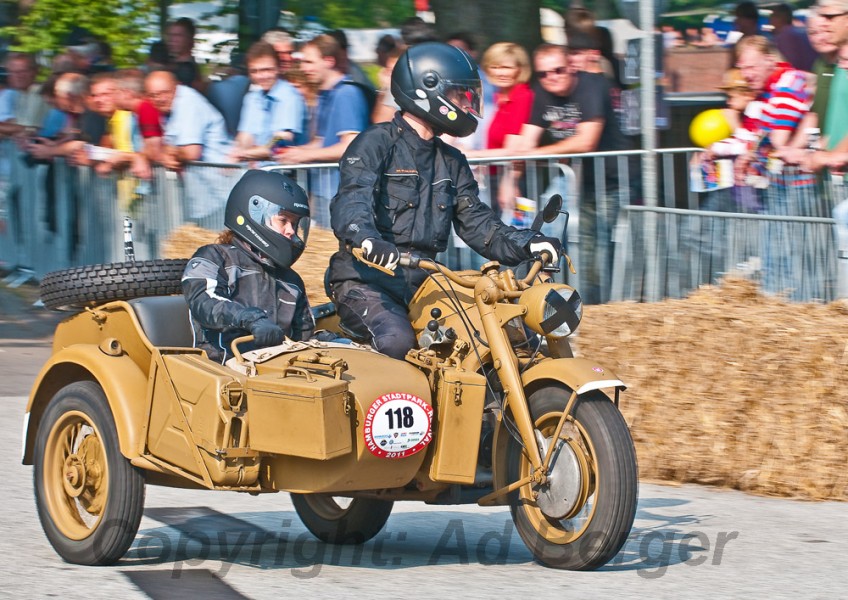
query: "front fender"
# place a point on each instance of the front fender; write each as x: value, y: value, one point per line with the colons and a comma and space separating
x: 579, y: 374
x: 123, y: 382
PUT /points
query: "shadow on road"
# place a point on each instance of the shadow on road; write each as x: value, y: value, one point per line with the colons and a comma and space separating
x: 193, y: 536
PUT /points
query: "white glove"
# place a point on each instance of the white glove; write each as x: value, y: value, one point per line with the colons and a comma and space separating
x: 380, y: 252
x: 540, y: 243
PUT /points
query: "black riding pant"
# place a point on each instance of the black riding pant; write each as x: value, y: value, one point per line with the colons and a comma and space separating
x: 369, y: 315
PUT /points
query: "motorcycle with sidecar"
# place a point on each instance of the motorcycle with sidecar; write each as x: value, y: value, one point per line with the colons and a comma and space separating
x: 492, y: 408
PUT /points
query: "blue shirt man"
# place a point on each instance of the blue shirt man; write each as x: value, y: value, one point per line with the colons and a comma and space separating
x: 273, y: 114
x: 195, y: 131
x: 281, y: 109
x: 343, y: 112
x: 194, y: 122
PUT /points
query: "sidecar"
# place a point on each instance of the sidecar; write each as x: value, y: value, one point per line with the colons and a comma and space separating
x: 125, y: 400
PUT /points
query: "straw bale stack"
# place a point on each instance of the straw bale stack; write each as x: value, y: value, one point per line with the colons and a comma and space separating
x: 732, y: 388
x: 185, y: 239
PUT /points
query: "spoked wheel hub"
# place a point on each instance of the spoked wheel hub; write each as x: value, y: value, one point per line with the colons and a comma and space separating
x: 75, y: 475
x: 579, y: 515
x: 89, y: 497
x: 565, y: 491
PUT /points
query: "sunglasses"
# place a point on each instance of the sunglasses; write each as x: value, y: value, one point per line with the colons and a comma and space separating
x: 832, y: 16
x: 557, y: 71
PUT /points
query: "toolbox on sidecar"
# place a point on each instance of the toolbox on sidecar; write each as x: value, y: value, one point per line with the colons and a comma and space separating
x: 299, y: 413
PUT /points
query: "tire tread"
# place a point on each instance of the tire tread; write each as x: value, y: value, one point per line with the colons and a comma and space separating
x: 79, y: 287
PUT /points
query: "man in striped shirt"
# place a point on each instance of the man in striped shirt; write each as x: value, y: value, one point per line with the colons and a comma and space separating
x: 784, y: 93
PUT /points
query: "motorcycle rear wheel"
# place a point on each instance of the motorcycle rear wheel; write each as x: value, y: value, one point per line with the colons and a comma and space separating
x: 332, y: 522
x: 604, y: 486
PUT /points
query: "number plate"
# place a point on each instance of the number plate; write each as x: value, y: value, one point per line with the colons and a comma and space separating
x: 398, y: 425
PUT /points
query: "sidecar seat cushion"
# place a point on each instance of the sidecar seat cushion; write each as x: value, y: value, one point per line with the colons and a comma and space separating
x: 165, y: 320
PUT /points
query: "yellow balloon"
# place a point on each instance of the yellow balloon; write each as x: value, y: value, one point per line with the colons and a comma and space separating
x: 709, y: 127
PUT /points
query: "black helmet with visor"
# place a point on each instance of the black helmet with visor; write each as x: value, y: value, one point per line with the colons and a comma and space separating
x: 270, y: 212
x: 440, y: 85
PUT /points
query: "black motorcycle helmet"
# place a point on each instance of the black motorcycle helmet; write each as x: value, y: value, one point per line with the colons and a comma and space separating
x: 435, y: 82
x: 270, y: 212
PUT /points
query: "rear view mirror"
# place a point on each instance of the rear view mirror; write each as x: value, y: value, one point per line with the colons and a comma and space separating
x: 552, y: 208
x: 549, y: 213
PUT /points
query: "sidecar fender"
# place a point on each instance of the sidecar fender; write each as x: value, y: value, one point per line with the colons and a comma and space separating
x: 579, y: 374
x: 123, y: 382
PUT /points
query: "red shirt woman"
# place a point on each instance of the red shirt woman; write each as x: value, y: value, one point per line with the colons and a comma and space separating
x: 508, y: 69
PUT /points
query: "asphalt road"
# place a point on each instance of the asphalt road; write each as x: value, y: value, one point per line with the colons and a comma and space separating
x: 687, y: 541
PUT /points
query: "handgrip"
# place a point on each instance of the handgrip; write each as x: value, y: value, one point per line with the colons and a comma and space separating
x: 359, y: 255
x: 234, y: 347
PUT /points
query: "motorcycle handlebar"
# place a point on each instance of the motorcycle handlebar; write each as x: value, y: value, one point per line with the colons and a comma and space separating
x: 413, y: 261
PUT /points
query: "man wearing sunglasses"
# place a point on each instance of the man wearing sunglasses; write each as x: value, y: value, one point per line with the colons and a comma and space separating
x: 834, y: 15
x: 573, y: 113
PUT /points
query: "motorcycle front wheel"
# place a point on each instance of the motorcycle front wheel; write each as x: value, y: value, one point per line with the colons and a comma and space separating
x: 581, y: 518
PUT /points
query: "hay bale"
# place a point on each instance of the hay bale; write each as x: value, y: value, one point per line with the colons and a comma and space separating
x: 322, y: 243
x: 184, y: 240
x: 731, y: 387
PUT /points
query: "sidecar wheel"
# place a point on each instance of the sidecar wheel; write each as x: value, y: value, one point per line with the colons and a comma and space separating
x: 583, y: 522
x: 89, y: 497
x: 330, y: 521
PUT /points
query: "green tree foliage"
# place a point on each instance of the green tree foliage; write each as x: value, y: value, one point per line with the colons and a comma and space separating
x: 515, y: 21
x: 354, y: 13
x: 124, y: 24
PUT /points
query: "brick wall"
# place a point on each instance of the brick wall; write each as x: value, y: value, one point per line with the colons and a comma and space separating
x: 696, y: 69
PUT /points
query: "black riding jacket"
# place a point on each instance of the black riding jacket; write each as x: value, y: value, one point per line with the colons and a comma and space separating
x: 225, y: 284
x: 406, y: 190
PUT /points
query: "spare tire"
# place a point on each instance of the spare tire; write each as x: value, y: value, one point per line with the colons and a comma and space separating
x: 74, y: 289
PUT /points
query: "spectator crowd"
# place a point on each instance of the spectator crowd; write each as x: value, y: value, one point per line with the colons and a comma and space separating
x: 287, y: 103
x: 782, y: 93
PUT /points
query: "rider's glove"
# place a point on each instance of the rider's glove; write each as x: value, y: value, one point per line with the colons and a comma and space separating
x: 541, y: 243
x: 266, y: 333
x: 380, y: 252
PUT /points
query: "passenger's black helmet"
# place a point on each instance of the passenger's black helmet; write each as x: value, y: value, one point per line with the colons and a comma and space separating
x: 435, y: 82
x: 261, y: 204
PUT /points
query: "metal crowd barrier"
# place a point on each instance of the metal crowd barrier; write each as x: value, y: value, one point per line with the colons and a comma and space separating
x: 53, y: 216
x: 782, y: 234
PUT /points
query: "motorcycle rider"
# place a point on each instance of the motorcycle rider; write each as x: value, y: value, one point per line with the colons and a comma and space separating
x: 244, y: 283
x: 401, y: 188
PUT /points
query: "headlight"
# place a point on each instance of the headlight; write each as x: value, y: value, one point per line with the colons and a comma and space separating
x: 553, y: 310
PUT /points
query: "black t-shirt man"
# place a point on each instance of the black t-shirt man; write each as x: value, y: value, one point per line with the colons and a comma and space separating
x: 589, y: 100
x: 574, y: 115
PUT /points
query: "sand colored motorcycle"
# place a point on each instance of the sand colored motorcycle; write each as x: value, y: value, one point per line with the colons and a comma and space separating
x: 492, y: 408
